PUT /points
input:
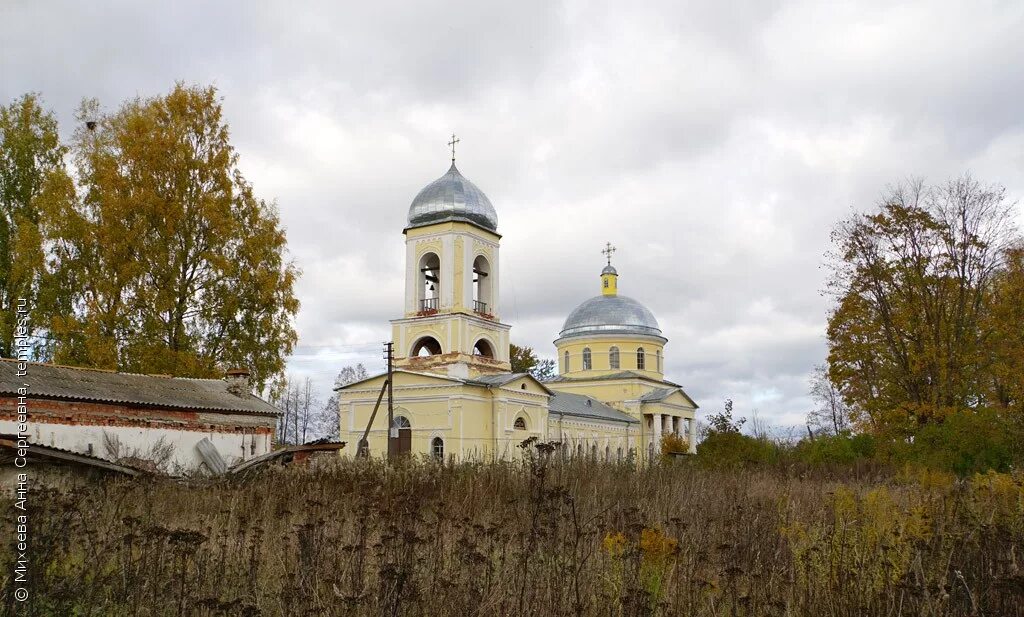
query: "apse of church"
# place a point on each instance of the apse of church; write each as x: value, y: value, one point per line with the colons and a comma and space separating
x: 454, y: 393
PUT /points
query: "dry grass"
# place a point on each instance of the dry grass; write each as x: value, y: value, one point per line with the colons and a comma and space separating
x: 538, y: 538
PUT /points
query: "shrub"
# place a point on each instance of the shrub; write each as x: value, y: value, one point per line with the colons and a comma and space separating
x: 674, y: 444
x: 962, y: 442
x: 842, y: 449
x: 733, y: 450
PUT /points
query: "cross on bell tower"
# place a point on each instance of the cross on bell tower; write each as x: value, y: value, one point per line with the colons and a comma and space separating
x: 451, y: 144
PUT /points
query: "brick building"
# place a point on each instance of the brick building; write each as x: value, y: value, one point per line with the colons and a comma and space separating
x: 138, y: 419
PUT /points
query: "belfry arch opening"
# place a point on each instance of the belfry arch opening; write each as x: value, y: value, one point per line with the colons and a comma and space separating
x: 426, y: 346
x: 483, y: 348
x: 429, y: 286
x: 482, y: 299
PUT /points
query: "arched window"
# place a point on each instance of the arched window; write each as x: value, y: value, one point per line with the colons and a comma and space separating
x: 402, y: 422
x: 613, y: 357
x: 607, y: 454
x: 429, y: 288
x: 657, y: 356
x: 619, y: 454
x: 593, y: 452
x: 640, y: 359
x: 482, y: 301
x: 586, y: 359
x: 426, y: 346
x: 483, y: 348
x: 520, y: 424
x: 437, y: 448
x: 579, y: 449
x: 565, y: 363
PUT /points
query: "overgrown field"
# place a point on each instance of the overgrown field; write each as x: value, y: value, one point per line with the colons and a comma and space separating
x: 534, y: 538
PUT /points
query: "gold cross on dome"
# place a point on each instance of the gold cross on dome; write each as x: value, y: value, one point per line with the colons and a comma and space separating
x: 608, y: 250
x: 452, y: 143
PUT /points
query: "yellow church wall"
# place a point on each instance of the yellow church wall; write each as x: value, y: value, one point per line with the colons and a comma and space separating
x: 475, y: 422
x: 457, y: 333
x: 600, y: 356
x: 464, y: 237
x: 612, y: 392
x: 509, y: 405
x: 458, y: 414
x: 478, y: 423
x: 580, y: 436
x: 625, y: 395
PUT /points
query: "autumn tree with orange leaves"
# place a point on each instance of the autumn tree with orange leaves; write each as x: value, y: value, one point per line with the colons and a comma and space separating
x: 927, y: 320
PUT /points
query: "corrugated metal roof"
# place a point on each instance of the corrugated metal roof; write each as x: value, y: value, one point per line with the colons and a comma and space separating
x: 79, y: 384
x: 498, y: 379
x: 579, y: 405
x: 658, y: 395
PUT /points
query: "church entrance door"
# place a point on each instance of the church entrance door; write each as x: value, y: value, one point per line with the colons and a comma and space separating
x: 403, y: 445
x: 404, y: 440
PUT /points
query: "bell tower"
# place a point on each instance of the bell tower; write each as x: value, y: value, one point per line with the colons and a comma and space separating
x: 452, y: 275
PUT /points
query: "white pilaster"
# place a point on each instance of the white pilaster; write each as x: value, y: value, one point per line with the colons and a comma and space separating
x: 468, y: 256
x: 447, y: 272
x: 411, y: 277
x: 495, y: 287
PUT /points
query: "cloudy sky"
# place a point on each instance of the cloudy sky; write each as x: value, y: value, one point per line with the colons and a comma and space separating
x: 715, y: 144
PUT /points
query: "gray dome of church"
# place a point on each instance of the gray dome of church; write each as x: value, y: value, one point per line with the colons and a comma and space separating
x: 452, y: 198
x: 610, y: 315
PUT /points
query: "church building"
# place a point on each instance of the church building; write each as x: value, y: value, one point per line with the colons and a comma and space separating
x: 454, y: 394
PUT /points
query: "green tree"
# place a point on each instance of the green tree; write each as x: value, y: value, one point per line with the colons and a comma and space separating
x: 525, y: 360
x: 163, y: 259
x: 723, y: 445
x: 30, y: 153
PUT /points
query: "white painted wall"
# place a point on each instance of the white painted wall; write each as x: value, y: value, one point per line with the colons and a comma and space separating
x: 233, y: 447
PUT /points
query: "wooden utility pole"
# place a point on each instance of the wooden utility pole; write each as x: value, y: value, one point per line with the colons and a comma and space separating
x: 392, y: 429
x: 363, y: 450
x: 364, y: 443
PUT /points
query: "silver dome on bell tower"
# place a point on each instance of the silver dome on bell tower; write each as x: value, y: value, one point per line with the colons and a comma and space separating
x: 452, y: 197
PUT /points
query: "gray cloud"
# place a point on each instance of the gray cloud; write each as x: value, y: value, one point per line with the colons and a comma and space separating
x: 714, y: 145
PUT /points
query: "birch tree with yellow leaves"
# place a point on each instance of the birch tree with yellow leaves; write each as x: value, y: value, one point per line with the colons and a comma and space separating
x: 162, y: 259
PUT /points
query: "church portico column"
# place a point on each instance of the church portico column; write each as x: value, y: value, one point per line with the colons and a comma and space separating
x: 656, y: 429
x: 693, y: 435
x: 668, y: 425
